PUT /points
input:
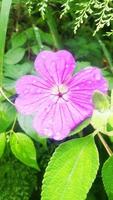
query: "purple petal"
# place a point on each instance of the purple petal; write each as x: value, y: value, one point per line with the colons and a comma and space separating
x: 55, y: 66
x: 87, y: 81
x: 28, y: 82
x: 33, y: 93
x: 51, y: 122
x: 81, y: 89
x: 57, y: 120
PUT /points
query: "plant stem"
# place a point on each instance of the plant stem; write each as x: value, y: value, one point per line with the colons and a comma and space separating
x: 4, y: 16
x: 12, y: 129
x: 4, y: 95
x: 53, y: 28
x: 95, y: 132
x: 109, y: 151
x: 37, y: 36
x: 106, y: 53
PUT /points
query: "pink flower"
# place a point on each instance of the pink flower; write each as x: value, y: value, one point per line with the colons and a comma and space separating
x: 58, y: 101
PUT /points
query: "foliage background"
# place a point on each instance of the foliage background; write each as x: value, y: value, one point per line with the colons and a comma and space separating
x: 83, y: 27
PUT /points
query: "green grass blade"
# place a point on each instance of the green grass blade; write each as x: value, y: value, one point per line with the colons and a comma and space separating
x: 4, y: 16
x: 53, y: 28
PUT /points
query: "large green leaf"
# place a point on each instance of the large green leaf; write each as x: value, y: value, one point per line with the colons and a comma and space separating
x: 2, y: 143
x: 14, y: 56
x: 71, y: 170
x: 107, y: 177
x: 23, y: 149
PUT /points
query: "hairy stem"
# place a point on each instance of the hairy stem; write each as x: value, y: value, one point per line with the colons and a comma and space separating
x: 109, y: 151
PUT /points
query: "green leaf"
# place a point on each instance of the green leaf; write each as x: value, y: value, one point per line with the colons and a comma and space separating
x: 14, y: 72
x: 25, y: 122
x: 107, y: 177
x: 103, y: 121
x: 91, y: 196
x: 81, y: 65
x: 100, y: 101
x: 71, y: 170
x: 18, y: 70
x: 35, y: 49
x: 83, y: 46
x: 111, y: 138
x: 9, y: 84
x: 18, y: 40
x: 45, y: 37
x: 110, y: 123
x: 83, y: 125
x: 99, y: 120
x: 7, y: 115
x: 23, y: 149
x: 2, y: 143
x: 14, y: 56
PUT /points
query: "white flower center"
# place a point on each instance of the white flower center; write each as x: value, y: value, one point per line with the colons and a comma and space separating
x: 59, y: 90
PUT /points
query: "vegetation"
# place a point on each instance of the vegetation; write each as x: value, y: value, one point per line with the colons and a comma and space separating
x: 34, y: 167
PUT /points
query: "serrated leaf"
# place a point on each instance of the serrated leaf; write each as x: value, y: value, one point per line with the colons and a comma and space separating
x: 23, y: 149
x: 71, y: 170
x: 107, y: 177
x: 14, y: 56
x: 2, y: 143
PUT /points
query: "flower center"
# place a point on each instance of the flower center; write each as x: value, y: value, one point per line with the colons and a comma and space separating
x: 60, y: 94
x: 59, y: 90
